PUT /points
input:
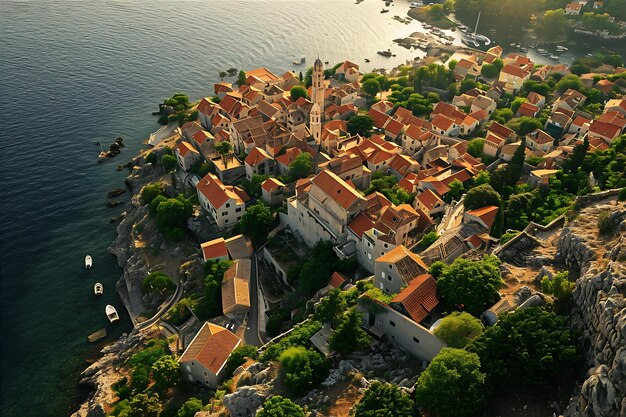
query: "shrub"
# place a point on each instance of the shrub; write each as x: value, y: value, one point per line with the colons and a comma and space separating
x: 508, y: 236
x: 384, y: 399
x: 458, y: 329
x: 531, y: 345
x: 238, y: 357
x: 470, y: 285
x: 151, y: 191
x: 452, y: 385
x: 168, y: 162
x: 158, y: 283
x: 621, y: 196
x: 166, y: 372
x: 277, y: 406
x: 299, y: 336
x: 349, y: 335
x: 605, y: 225
x: 150, y: 158
x: 303, y: 369
x: 190, y: 408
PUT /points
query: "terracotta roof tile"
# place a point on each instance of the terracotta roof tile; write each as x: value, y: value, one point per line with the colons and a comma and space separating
x: 211, y: 347
x: 419, y: 298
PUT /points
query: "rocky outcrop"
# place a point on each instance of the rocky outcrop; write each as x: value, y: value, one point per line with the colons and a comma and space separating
x: 600, y: 316
x: 105, y: 372
x: 246, y: 400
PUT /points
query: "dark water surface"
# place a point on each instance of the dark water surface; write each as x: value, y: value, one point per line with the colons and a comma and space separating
x: 73, y: 73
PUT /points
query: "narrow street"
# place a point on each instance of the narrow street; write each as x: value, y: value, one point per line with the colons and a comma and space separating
x: 251, y: 333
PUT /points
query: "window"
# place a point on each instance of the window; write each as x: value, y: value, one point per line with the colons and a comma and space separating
x: 390, y: 266
x: 389, y: 277
x: 224, y: 213
x: 227, y: 205
x: 226, y: 221
x: 386, y: 245
x: 382, y: 274
x: 238, y: 218
x: 416, y: 340
x: 238, y: 210
x: 392, y: 323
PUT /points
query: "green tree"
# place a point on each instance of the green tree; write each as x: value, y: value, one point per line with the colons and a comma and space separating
x: 361, y: 125
x: 241, y: 78
x: 349, y: 335
x: 481, y: 178
x: 570, y: 81
x: 331, y: 308
x: 458, y: 329
x: 515, y: 104
x: 277, y: 406
x: 456, y: 190
x: 371, y: 87
x: 382, y: 399
x: 301, y: 167
x: 172, y: 215
x: 144, y: 405
x: 190, y: 408
x: 524, y: 125
x: 577, y: 158
x: 166, y: 372
x: 257, y: 222
x: 168, y: 162
x: 475, y: 147
x: 211, y: 305
x: 427, y: 240
x: 158, y: 283
x: 223, y: 148
x: 498, y: 63
x: 303, y: 369
x: 151, y: 191
x: 238, y: 357
x: 471, y: 286
x: 530, y: 345
x: 553, y: 24
x: 481, y: 196
x: 452, y: 385
x: 297, y: 91
x: 467, y: 84
x: 489, y: 71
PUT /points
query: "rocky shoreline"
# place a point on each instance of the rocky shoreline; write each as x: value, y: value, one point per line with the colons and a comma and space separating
x: 107, y: 369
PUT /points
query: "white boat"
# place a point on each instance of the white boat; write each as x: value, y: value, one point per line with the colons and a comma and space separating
x: 88, y: 262
x: 554, y: 57
x: 561, y: 48
x: 111, y: 313
x: 98, y: 289
x: 542, y: 51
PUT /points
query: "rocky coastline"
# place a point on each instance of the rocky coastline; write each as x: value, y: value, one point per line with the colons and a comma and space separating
x: 100, y: 375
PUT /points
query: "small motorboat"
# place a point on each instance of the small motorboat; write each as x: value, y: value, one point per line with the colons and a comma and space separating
x: 561, y: 48
x: 554, y: 57
x: 384, y: 11
x: 367, y: 60
x: 98, y: 289
x: 386, y: 53
x: 111, y: 313
x: 88, y: 262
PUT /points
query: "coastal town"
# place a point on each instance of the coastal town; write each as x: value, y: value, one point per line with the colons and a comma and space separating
x: 339, y: 218
x: 330, y: 237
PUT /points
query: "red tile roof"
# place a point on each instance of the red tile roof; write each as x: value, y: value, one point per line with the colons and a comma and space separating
x: 487, y: 214
x: 419, y: 298
x: 211, y: 347
x: 336, y: 189
x: 214, y: 249
x: 256, y: 156
x: 337, y: 280
x: 184, y: 148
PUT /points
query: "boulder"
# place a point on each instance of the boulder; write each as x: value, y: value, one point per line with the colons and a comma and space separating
x: 115, y: 192
x: 246, y: 400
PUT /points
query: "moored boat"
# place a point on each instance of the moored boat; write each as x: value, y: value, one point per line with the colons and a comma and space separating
x: 386, y: 53
x: 111, y: 313
x: 88, y: 262
x: 384, y: 11
x: 98, y: 289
